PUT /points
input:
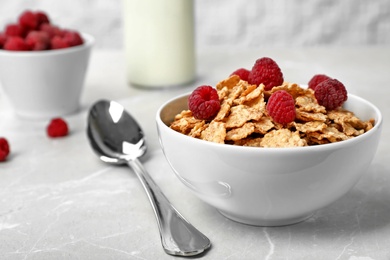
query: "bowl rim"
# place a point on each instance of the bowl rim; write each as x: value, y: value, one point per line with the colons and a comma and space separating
x: 313, y: 148
x: 89, y: 41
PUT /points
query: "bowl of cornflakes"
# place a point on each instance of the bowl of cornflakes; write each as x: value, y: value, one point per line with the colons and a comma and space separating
x: 257, y: 171
x: 264, y: 151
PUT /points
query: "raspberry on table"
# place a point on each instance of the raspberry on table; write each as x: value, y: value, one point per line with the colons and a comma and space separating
x: 16, y: 44
x: 4, y: 149
x: 266, y: 71
x: 204, y: 102
x: 281, y: 107
x: 317, y: 79
x: 57, y: 128
x: 331, y: 94
x: 242, y: 73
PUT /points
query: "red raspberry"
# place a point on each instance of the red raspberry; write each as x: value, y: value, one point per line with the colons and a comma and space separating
x: 38, y: 40
x: 266, y: 71
x: 73, y: 38
x: 4, y: 149
x: 204, y: 102
x: 16, y: 44
x: 57, y: 42
x: 317, y: 79
x: 3, y: 38
x: 242, y: 73
x: 14, y: 30
x: 281, y: 107
x: 331, y: 94
x: 57, y: 128
x: 52, y: 30
x: 42, y: 18
x: 28, y: 20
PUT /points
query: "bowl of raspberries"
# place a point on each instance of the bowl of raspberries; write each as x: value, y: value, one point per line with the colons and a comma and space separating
x: 265, y: 151
x: 42, y: 65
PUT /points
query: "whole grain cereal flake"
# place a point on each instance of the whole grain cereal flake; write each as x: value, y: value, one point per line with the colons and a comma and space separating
x: 240, y: 132
x: 215, y: 132
x: 282, y: 138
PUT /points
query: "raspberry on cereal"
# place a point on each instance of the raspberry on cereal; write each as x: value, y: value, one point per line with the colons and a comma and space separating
x: 331, y: 94
x: 281, y: 107
x: 204, y: 102
x: 16, y: 43
x: 317, y: 79
x: 4, y: 149
x: 242, y: 73
x: 266, y: 71
x: 57, y: 128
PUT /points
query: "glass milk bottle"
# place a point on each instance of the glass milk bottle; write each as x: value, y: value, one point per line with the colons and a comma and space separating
x: 159, y: 42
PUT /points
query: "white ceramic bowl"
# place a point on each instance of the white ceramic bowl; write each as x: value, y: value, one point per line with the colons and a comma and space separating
x: 45, y: 84
x: 268, y: 186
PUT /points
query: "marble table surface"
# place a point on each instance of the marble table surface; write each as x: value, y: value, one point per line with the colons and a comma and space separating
x: 58, y: 201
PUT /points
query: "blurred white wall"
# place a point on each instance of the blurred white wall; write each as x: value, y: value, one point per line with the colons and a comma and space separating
x: 233, y: 23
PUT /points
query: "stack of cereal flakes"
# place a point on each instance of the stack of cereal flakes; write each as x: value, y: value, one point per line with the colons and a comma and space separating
x: 243, y: 119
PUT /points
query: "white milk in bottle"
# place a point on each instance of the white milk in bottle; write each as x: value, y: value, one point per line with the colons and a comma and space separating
x: 159, y: 42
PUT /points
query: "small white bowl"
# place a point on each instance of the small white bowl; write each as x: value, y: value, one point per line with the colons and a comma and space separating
x: 268, y: 186
x: 45, y: 84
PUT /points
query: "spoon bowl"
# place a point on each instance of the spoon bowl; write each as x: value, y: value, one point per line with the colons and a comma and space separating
x: 116, y: 137
x: 114, y: 134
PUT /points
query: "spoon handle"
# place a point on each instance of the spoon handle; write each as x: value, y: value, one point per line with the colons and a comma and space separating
x: 178, y: 236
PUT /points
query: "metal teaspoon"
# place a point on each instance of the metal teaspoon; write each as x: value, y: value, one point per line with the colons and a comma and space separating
x: 117, y: 138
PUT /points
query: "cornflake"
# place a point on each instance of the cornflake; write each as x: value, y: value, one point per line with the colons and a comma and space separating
x: 243, y: 120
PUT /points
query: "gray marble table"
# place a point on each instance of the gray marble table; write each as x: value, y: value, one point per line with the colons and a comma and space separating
x: 58, y: 201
